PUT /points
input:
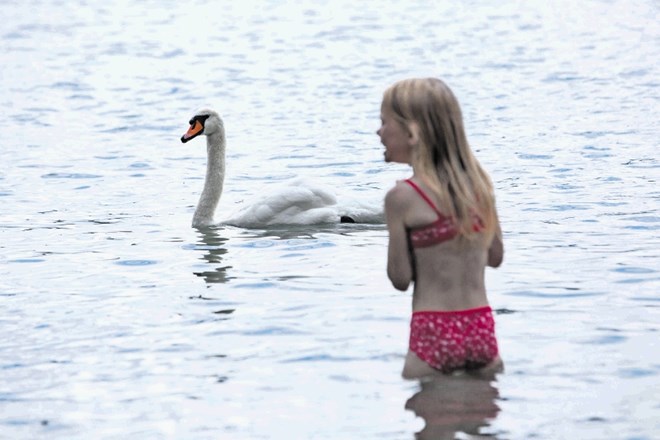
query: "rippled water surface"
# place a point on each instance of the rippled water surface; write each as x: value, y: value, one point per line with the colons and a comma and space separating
x: 119, y: 320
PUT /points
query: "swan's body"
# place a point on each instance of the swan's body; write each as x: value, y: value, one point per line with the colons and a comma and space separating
x: 300, y: 202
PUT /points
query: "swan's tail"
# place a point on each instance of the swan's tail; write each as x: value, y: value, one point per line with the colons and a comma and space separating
x: 361, y: 211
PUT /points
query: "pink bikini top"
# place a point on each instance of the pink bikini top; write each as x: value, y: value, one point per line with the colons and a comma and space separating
x: 441, y: 230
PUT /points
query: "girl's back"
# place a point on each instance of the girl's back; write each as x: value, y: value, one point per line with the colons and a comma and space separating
x: 449, y: 274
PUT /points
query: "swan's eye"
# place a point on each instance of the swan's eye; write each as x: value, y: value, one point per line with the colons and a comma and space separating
x: 191, y: 122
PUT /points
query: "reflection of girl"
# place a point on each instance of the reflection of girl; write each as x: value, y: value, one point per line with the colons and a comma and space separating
x: 454, y: 404
x: 443, y: 230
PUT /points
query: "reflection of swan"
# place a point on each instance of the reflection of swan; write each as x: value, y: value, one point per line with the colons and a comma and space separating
x: 214, y: 247
x: 454, y: 403
x: 300, y: 202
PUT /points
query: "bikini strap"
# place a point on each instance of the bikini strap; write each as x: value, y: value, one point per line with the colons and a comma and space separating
x: 423, y: 195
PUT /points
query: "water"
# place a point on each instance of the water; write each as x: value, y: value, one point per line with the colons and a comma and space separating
x: 120, y: 321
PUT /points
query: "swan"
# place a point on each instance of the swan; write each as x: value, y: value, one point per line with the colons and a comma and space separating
x: 300, y: 202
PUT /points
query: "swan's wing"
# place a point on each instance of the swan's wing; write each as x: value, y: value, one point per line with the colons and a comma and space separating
x: 295, y: 203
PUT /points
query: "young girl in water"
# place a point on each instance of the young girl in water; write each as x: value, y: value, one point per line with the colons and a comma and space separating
x: 443, y: 230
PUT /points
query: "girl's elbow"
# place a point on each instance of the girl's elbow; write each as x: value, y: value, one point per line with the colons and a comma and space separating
x: 495, y: 263
x: 496, y: 253
x: 401, y: 285
x: 399, y: 282
x: 495, y: 259
x: 399, y: 272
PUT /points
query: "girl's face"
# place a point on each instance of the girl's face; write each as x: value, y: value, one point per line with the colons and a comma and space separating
x: 396, y: 138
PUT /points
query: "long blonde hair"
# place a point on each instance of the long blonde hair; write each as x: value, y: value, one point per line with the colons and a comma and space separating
x: 443, y: 158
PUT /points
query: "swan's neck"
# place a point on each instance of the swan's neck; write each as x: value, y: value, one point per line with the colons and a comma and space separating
x: 215, y: 176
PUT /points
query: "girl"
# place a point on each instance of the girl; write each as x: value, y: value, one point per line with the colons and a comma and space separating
x: 443, y: 230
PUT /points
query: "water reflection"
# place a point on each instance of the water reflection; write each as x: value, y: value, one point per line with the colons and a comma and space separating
x: 291, y: 232
x: 453, y: 404
x: 214, y: 246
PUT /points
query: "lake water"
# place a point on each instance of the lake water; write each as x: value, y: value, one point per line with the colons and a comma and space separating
x: 119, y: 320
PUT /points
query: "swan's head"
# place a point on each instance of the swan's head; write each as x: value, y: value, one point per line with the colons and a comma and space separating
x: 206, y: 122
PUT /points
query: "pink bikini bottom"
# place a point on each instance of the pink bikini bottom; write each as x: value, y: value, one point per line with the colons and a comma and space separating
x: 448, y: 341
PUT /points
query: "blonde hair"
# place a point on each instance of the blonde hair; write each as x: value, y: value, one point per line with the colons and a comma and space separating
x: 443, y: 158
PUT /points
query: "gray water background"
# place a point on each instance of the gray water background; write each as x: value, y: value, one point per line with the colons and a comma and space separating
x: 119, y: 320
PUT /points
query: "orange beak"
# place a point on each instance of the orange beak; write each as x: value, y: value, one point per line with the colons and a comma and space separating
x: 195, y: 129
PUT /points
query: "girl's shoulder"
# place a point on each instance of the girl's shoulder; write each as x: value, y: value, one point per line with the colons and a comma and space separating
x: 399, y: 194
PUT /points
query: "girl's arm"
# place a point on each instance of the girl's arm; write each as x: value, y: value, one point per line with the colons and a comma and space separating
x: 496, y: 249
x: 399, y: 266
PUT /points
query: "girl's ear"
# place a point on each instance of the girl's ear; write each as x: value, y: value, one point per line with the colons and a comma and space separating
x: 414, y: 135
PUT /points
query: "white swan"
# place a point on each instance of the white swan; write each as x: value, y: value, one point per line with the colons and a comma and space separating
x: 300, y: 202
